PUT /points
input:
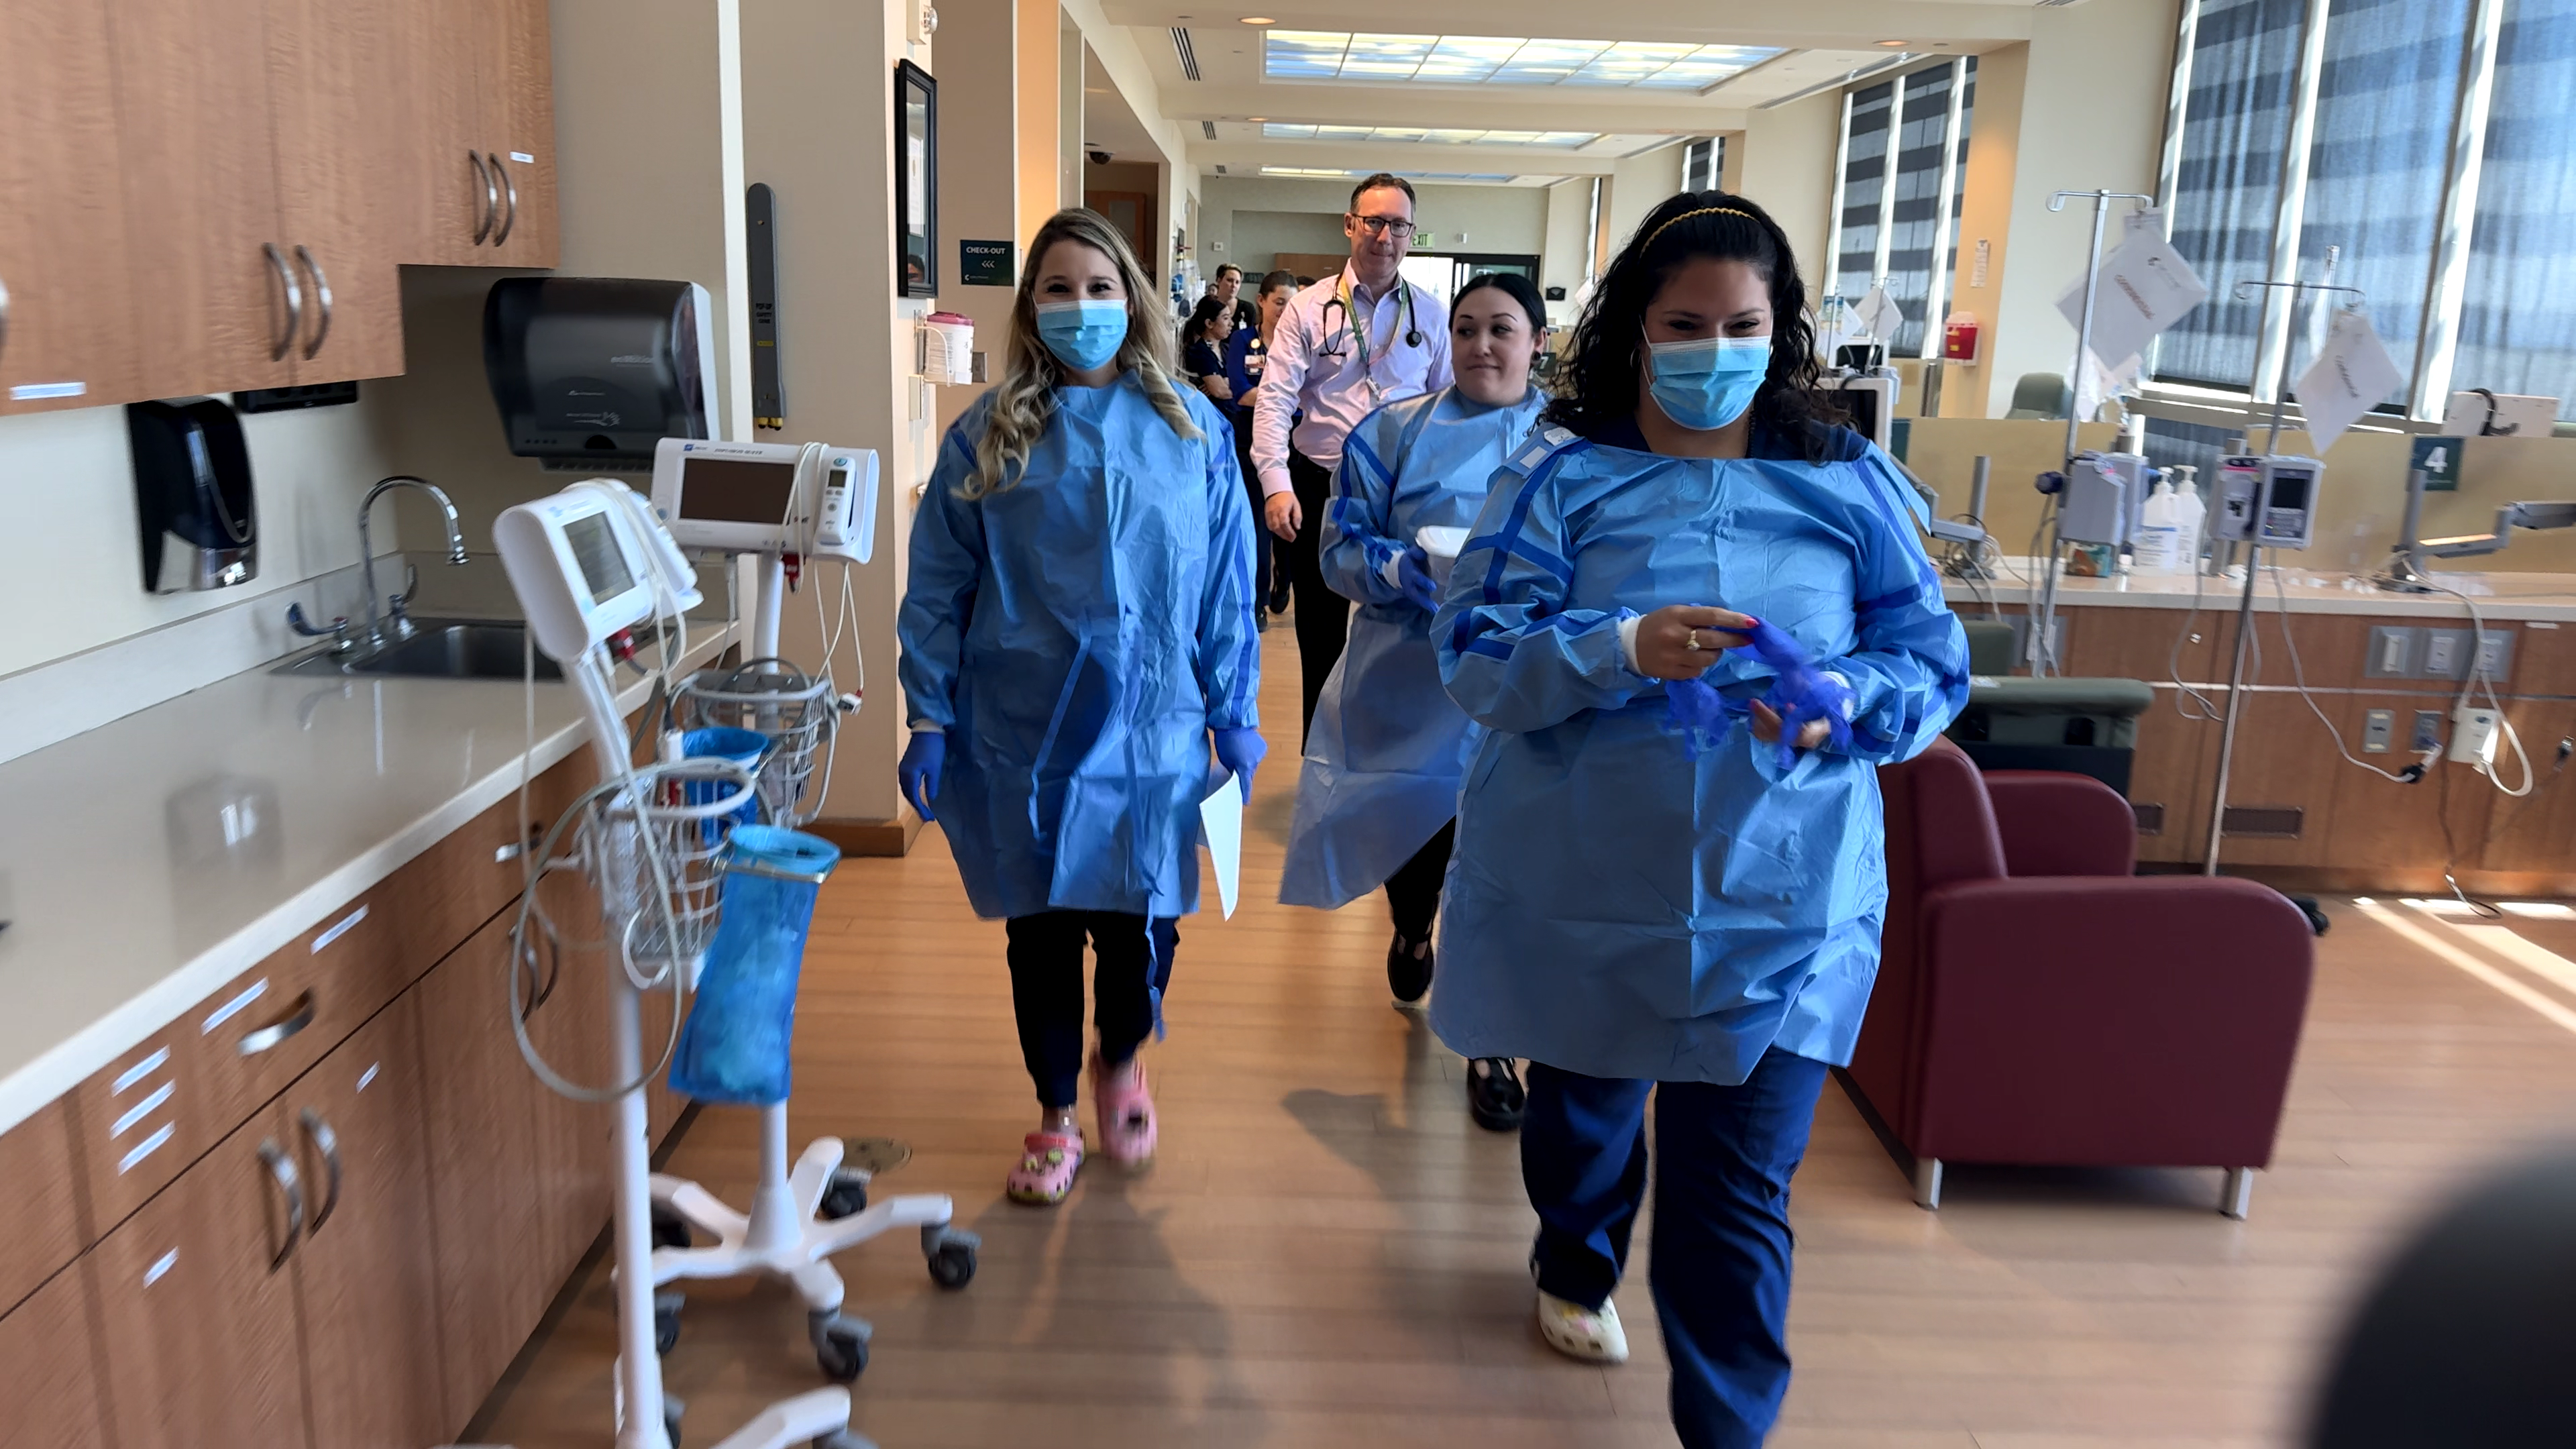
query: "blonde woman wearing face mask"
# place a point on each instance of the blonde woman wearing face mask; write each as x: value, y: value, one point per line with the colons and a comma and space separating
x: 1077, y: 636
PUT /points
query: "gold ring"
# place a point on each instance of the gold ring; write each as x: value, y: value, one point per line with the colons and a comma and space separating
x: 1690, y: 641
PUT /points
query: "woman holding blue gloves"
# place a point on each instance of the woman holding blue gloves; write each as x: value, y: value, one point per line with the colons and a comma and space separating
x: 1077, y: 636
x: 1379, y: 787
x: 1670, y: 872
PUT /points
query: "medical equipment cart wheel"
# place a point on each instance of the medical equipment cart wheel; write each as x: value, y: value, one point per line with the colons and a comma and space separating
x: 666, y: 1321
x: 670, y: 1230
x: 952, y: 1261
x: 847, y: 1197
x: 840, y: 1345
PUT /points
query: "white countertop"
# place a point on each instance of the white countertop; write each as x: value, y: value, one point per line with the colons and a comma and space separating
x: 126, y: 902
x: 2499, y: 596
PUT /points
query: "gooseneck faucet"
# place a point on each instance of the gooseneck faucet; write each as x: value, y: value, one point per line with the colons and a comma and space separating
x: 376, y: 638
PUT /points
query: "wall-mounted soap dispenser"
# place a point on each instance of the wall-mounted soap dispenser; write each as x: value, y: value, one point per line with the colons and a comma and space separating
x: 192, y: 495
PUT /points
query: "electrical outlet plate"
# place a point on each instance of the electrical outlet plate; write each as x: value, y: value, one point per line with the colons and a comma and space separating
x: 2427, y: 734
x: 2378, y: 729
x: 2473, y: 735
x: 2446, y: 653
x: 2392, y: 652
x: 2495, y: 654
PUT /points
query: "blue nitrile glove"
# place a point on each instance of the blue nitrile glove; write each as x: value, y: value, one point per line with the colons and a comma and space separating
x: 1241, y: 752
x: 1800, y: 691
x: 1416, y: 581
x: 917, y: 774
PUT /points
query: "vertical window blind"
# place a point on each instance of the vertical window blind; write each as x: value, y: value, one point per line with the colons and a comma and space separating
x: 2378, y: 183
x: 1923, y: 124
x: 2518, y: 319
x: 1864, y: 175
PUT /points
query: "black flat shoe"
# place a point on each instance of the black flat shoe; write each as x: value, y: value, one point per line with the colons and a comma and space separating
x: 1494, y: 1095
x: 1408, y: 975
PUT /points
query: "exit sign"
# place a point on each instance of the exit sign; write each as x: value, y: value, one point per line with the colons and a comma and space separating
x: 2439, y: 460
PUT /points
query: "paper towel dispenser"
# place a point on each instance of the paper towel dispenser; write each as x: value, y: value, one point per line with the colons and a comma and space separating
x: 591, y: 372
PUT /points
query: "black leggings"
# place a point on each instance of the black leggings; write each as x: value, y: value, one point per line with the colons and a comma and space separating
x: 1046, y: 990
x: 1413, y: 892
x: 1323, y: 617
x: 1261, y: 539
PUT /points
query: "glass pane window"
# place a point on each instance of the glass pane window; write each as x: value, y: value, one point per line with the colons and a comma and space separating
x: 2386, y: 101
x: 1864, y: 174
x: 2518, y: 318
x: 1922, y: 126
x: 2227, y: 197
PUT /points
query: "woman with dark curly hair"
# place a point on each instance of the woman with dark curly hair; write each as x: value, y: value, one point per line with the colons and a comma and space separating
x: 1669, y: 871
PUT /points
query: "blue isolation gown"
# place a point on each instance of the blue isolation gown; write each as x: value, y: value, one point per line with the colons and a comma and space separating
x: 1077, y: 635
x: 1388, y: 746
x: 1617, y: 906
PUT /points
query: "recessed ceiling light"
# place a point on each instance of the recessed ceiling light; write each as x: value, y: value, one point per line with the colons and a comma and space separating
x: 1893, y: 44
x: 1259, y: 20
x: 1256, y: 118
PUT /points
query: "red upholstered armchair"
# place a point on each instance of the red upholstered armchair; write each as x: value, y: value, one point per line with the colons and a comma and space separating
x: 2038, y: 1003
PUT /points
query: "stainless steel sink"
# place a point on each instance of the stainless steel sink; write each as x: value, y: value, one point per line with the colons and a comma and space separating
x: 440, y: 649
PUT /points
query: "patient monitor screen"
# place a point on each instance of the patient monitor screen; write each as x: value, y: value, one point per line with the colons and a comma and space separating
x: 735, y: 490
x: 603, y: 564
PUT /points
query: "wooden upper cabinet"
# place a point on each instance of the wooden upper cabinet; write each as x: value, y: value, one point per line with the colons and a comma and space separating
x: 482, y: 143
x: 69, y: 323
x: 214, y: 292
x: 335, y: 99
x: 526, y: 113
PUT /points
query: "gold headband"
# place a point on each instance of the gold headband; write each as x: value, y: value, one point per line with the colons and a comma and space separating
x: 1703, y: 211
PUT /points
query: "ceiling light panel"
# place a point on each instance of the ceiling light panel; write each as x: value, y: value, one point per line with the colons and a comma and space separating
x: 1438, y: 136
x: 1367, y: 59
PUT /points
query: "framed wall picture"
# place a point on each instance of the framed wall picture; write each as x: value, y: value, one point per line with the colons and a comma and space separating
x: 916, y: 181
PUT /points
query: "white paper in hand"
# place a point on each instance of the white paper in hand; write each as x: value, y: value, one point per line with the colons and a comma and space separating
x: 2350, y: 377
x: 1221, y: 831
x: 1879, y: 315
x: 2145, y: 287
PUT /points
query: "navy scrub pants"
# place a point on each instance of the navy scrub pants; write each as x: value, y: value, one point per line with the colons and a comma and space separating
x: 1720, y: 1260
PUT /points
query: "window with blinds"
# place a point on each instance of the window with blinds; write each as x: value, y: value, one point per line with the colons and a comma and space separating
x: 2517, y: 329
x: 2227, y: 195
x: 2470, y: 270
x: 1703, y: 162
x: 1902, y: 185
x: 1866, y: 122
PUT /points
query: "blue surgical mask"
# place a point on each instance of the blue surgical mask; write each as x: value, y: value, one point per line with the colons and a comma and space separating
x: 1082, y: 335
x: 1708, y: 382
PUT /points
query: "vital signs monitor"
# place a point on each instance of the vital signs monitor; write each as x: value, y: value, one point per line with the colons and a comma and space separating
x: 771, y: 498
x: 589, y: 562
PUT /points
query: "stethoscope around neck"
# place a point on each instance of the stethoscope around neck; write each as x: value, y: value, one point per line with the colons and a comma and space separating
x: 1404, y: 306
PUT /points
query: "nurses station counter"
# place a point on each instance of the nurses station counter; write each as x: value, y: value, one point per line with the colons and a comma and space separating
x: 2297, y: 812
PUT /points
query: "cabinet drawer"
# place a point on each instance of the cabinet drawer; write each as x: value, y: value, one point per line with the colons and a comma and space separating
x: 140, y: 1121
x: 40, y: 1227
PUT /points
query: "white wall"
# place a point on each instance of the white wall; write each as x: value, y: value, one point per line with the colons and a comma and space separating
x: 1510, y: 219
x: 1638, y: 186
x: 1784, y: 160
x: 1566, y: 260
x: 75, y: 582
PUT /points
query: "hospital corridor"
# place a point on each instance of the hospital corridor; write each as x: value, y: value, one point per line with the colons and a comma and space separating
x: 1328, y: 1252
x: 1114, y: 724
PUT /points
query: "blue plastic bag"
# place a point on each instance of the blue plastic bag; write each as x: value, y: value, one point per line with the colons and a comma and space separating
x: 723, y: 742
x: 734, y: 1046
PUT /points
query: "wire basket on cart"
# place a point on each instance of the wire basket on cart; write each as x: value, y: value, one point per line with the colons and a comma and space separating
x: 660, y: 869
x: 796, y: 710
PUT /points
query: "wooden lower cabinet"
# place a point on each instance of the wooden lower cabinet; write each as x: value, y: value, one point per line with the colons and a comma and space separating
x: 196, y: 1296
x: 496, y: 1272
x: 366, y: 1278
x: 49, y: 1398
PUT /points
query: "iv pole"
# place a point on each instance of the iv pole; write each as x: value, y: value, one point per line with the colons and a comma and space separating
x: 2254, y: 554
x: 2042, y: 652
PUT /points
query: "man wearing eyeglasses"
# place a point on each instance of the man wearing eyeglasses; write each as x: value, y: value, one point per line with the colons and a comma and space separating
x: 1346, y: 345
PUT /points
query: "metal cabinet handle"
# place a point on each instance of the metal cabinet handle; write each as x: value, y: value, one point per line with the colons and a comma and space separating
x: 294, y: 302
x: 281, y: 1170
x: 326, y: 1142
x: 510, y: 219
x: 298, y: 1017
x: 321, y: 300
x: 491, y: 197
